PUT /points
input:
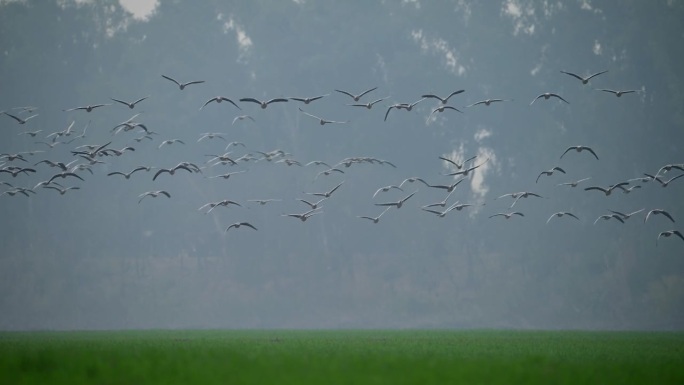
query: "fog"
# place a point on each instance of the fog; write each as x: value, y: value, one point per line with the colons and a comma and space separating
x: 103, y: 256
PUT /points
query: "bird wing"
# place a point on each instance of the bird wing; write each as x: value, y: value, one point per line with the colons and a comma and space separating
x: 171, y: 79
x: 277, y: 100
x: 365, y: 92
x: 208, y: 101
x: 159, y: 172
x: 250, y: 100
x: 560, y: 97
x: 453, y: 93
x: 248, y: 225
x: 346, y: 93
x: 165, y: 193
x: 574, y: 75
x: 596, y: 74
x: 673, y: 178
x: 194, y: 82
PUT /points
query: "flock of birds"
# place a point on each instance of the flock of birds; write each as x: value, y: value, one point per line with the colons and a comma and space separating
x: 87, y: 158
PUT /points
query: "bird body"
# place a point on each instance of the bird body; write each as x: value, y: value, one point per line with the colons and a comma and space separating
x: 547, y: 95
x: 237, y: 225
x: 182, y: 85
x: 584, y: 79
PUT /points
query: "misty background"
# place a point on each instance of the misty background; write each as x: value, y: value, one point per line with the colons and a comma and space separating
x: 97, y: 258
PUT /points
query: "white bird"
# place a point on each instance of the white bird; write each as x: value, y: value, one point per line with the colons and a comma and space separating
x: 549, y: 172
x: 182, y: 85
x: 441, y: 109
x: 304, y: 216
x: 359, y: 96
x: 322, y: 121
x: 307, y: 100
x: 669, y: 233
x: 487, y: 102
x: 227, y: 175
x: 560, y: 214
x: 211, y: 135
x: 263, y: 201
x: 314, y: 205
x: 328, y: 172
x: 368, y: 105
x: 386, y: 188
x: 62, y: 190
x: 580, y: 149
x: 223, y: 203
x: 662, y: 182
x: 507, y: 215
x: 607, y: 190
x: 443, y: 100
x: 88, y: 108
x: 264, y: 103
x: 626, y: 216
x: 237, y: 225
x: 398, y: 203
x: 18, y: 119
x: 128, y: 175
x: 153, y: 194
x: 609, y: 216
x: 413, y: 179
x: 548, y: 95
x: 130, y: 105
x: 327, y: 194
x: 375, y: 219
x: 219, y: 99
x: 243, y: 117
x: 402, y: 106
x: 458, y: 166
x: 575, y: 183
x: 617, y: 93
x: 583, y: 79
x: 659, y: 212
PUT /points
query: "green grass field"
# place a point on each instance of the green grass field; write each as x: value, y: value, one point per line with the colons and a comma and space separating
x: 341, y: 357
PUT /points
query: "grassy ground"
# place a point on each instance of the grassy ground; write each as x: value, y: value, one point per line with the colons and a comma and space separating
x: 341, y: 357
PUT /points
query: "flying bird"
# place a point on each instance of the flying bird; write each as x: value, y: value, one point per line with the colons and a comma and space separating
x: 153, y: 194
x: 211, y: 135
x: 669, y: 233
x: 443, y: 100
x: 575, y: 183
x: 308, y: 100
x: 321, y: 121
x: 580, y: 149
x: 223, y: 203
x: 549, y: 172
x: 359, y: 96
x: 88, y: 108
x: 441, y: 109
x: 659, y: 212
x: 402, y: 106
x: 264, y: 104
x: 243, y: 117
x: 375, y: 219
x: 368, y: 105
x: 170, y: 142
x: 315, y: 205
x: 458, y: 166
x: 219, y: 99
x: 607, y: 190
x: 626, y: 216
x: 172, y: 171
x: 617, y: 93
x: 128, y: 175
x: 263, y: 201
x: 238, y: 224
x: 662, y: 182
x: 130, y: 105
x: 386, y: 188
x: 328, y: 172
x: 507, y: 215
x: 608, y: 217
x: 18, y: 119
x: 182, y: 85
x: 487, y: 102
x: 584, y: 80
x: 61, y: 190
x: 398, y: 203
x: 227, y: 175
x: 327, y: 194
x: 560, y: 214
x: 548, y: 95
x: 303, y: 216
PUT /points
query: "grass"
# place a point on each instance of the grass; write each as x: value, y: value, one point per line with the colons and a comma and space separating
x: 341, y: 357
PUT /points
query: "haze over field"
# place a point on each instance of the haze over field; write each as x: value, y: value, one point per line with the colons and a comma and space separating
x: 105, y: 256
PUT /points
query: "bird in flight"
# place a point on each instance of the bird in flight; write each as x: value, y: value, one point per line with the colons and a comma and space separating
x: 128, y: 175
x: 321, y: 121
x: 402, y: 106
x: 662, y: 182
x: 547, y: 95
x: 263, y: 104
x: 659, y: 212
x: 607, y: 190
x: 263, y: 201
x: 18, y: 119
x: 237, y: 225
x: 182, y: 85
x: 458, y: 166
x: 626, y: 216
x: 308, y: 100
x: 327, y: 194
x: 583, y: 79
x: 398, y: 203
x: 304, y: 216
x: 487, y: 102
x: 507, y: 215
x: 153, y: 194
x: 668, y: 234
x: 560, y: 214
x: 173, y: 170
x: 374, y: 219
x: 243, y: 117
x: 386, y: 189
x: 443, y: 100
x: 608, y: 217
x: 88, y: 108
x: 170, y: 142
x: 575, y: 183
x: 441, y: 109
x: 359, y: 96
x: 580, y: 149
x: 219, y: 99
x: 223, y: 203
x: 315, y: 205
x: 368, y: 105
x: 227, y: 175
x: 549, y: 172
x: 130, y: 105
x: 617, y: 93
x: 62, y: 190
